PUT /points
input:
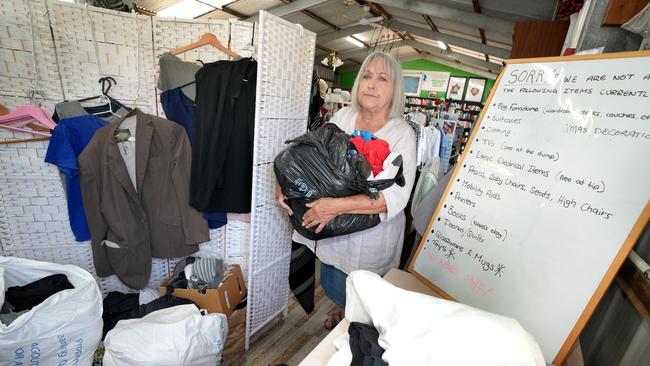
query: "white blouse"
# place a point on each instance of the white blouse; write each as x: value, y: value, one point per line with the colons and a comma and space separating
x: 379, y: 248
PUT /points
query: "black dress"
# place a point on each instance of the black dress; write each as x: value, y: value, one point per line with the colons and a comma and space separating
x: 222, y: 142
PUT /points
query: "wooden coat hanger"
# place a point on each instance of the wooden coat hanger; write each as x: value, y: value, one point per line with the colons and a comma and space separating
x: 206, y: 39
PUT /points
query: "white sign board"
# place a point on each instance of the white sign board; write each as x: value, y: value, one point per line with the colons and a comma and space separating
x: 435, y: 81
x: 551, y: 191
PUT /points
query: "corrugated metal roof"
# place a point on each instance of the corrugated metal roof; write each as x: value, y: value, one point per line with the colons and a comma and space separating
x: 475, y: 38
x: 519, y: 9
x: 337, y: 13
x: 467, y: 52
x: 499, y: 37
x: 495, y: 59
x: 251, y: 7
x: 342, y: 16
x: 218, y: 14
x: 156, y: 5
x: 307, y: 22
x: 499, y: 44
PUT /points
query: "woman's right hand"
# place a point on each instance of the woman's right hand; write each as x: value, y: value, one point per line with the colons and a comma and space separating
x: 282, y: 199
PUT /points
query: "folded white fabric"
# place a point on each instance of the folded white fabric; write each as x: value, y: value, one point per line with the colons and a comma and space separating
x: 389, y: 169
x: 175, y: 336
x: 343, y: 357
x: 416, y: 329
x: 148, y: 295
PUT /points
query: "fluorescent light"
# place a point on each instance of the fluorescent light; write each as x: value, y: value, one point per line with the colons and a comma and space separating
x: 354, y: 41
x: 186, y: 9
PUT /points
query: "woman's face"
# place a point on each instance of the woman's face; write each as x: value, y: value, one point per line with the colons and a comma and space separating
x: 375, y: 87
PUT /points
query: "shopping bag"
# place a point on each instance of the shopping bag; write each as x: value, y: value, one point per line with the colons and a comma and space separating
x: 65, y: 329
x: 319, y: 164
x: 175, y: 336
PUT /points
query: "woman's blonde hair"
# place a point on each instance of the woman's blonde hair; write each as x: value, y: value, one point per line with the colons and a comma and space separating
x: 394, y: 71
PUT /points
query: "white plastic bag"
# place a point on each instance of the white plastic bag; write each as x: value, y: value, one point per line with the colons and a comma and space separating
x: 175, y: 336
x: 65, y: 329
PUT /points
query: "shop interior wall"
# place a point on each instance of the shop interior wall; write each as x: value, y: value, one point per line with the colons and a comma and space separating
x: 346, y: 79
x: 613, y: 38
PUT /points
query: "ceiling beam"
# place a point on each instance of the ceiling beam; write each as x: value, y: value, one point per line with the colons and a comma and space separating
x: 467, y: 60
x: 435, y: 59
x: 328, y: 24
x: 338, y: 34
x: 363, y: 52
x: 459, y: 66
x: 239, y: 15
x: 433, y: 50
x: 388, y: 16
x: 287, y: 9
x: 460, y: 16
x: 435, y: 29
x: 446, y: 38
x: 481, y: 31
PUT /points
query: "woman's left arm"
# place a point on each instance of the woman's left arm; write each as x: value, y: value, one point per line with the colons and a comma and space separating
x: 390, y: 202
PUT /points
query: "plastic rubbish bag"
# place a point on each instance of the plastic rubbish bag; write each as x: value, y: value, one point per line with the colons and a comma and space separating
x: 319, y: 164
x: 65, y: 329
x: 179, y: 335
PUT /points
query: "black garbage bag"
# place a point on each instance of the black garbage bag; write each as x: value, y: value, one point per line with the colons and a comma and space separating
x: 319, y: 164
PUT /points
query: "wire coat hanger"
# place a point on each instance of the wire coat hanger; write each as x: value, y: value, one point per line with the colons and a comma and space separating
x: 206, y: 39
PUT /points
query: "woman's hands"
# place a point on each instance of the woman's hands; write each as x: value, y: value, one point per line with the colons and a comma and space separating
x: 282, y: 199
x: 320, y: 213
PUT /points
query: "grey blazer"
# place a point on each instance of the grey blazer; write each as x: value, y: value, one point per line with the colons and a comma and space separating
x: 128, y: 227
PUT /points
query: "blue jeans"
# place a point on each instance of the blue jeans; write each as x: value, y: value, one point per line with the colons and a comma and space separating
x: 333, y: 282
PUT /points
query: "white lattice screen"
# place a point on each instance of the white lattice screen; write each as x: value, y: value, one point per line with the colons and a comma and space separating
x: 87, y: 43
x: 285, y: 56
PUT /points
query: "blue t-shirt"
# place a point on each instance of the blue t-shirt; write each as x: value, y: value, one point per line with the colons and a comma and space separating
x: 68, y: 140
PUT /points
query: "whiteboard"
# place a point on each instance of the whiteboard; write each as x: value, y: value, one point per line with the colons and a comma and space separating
x: 550, y: 195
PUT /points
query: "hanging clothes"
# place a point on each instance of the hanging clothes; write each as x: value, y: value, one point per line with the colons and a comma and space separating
x: 175, y: 75
x: 131, y: 224
x: 68, y: 140
x: 375, y: 151
x: 74, y: 108
x: 315, y: 103
x: 222, y: 154
x: 180, y: 109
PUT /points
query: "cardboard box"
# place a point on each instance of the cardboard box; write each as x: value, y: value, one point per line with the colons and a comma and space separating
x: 223, y: 299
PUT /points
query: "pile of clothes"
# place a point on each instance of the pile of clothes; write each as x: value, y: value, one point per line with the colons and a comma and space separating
x: 198, y: 273
x: 190, y: 273
x: 21, y: 299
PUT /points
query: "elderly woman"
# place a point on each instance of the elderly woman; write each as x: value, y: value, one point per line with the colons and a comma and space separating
x: 377, y: 106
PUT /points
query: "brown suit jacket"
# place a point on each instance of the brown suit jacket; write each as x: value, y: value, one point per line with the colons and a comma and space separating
x: 128, y: 226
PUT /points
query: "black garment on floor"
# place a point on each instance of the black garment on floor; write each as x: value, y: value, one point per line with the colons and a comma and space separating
x: 302, y: 269
x: 119, y: 306
x: 27, y: 296
x: 364, y: 345
x: 315, y: 102
x: 222, y: 141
